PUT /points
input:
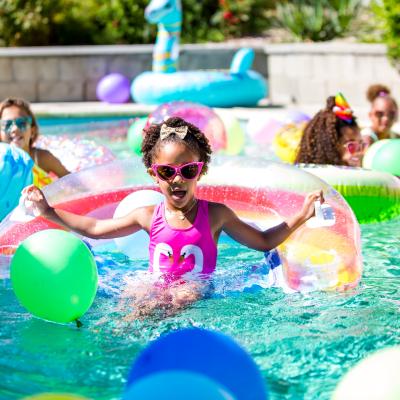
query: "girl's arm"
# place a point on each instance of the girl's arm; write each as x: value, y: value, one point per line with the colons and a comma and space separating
x: 270, y: 238
x: 50, y: 163
x: 88, y: 226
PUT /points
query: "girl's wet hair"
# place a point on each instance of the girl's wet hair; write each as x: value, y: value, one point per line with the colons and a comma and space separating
x: 379, y: 91
x: 25, y: 106
x: 320, y: 141
x: 195, y: 140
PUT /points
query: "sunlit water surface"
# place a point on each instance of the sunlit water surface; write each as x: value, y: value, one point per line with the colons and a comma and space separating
x: 303, y: 343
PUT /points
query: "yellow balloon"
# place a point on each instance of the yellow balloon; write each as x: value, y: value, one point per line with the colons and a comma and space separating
x: 55, y: 396
x: 287, y: 140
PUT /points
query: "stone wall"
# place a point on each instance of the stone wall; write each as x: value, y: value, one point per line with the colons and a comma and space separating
x: 297, y: 73
x: 309, y: 73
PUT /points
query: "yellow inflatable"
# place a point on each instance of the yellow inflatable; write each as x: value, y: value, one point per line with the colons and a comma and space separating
x: 41, y: 177
x: 287, y: 140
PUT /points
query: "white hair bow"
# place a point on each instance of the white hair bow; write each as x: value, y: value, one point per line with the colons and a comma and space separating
x: 180, y: 131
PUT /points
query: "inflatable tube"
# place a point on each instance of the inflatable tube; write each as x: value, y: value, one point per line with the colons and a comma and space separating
x: 16, y: 173
x: 374, y: 196
x: 211, y: 88
x: 259, y: 191
x: 75, y: 153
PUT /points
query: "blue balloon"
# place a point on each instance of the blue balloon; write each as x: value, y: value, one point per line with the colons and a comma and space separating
x: 176, y: 385
x: 16, y: 173
x: 207, y: 353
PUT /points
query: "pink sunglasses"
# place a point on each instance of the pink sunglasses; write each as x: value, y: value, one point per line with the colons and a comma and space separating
x: 354, y: 147
x: 187, y: 171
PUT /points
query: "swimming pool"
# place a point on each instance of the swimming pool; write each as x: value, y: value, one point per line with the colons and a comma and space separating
x: 303, y: 343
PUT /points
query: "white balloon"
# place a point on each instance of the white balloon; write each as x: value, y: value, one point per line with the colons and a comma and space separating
x: 136, y: 246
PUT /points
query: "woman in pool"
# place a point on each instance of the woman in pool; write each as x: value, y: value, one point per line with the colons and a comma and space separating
x: 19, y: 127
x: 383, y: 114
x: 184, y: 230
x: 332, y: 136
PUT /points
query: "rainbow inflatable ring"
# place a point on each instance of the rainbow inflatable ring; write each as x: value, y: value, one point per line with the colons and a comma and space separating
x: 260, y: 191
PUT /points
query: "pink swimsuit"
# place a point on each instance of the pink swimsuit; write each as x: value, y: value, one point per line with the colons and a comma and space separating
x: 178, y: 251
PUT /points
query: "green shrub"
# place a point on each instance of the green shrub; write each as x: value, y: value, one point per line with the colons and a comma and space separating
x: 67, y: 22
x: 242, y: 17
x: 317, y: 20
x: 389, y: 13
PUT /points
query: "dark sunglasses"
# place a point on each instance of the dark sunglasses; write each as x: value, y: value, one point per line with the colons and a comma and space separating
x: 187, y: 171
x: 354, y: 147
x: 389, y: 115
x: 21, y: 123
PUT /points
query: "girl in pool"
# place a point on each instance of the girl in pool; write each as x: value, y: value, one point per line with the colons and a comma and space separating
x: 332, y: 136
x: 184, y: 230
x: 383, y: 114
x: 19, y: 127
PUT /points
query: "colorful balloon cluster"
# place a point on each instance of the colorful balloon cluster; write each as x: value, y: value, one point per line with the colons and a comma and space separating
x: 201, y: 116
x: 279, y: 131
x: 224, y: 131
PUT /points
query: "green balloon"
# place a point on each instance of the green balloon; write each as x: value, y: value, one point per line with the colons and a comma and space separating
x: 384, y: 155
x: 235, y: 136
x: 54, y: 275
x: 135, y: 135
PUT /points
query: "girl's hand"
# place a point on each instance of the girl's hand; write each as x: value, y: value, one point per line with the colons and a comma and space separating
x: 308, y: 209
x: 35, y: 200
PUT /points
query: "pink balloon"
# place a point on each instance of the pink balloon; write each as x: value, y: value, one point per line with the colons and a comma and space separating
x: 266, y: 132
x: 201, y: 116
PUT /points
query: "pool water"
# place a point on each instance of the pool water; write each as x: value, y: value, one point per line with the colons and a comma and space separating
x: 303, y: 343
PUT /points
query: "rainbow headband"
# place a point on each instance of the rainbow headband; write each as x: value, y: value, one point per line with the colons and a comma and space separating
x: 342, y: 109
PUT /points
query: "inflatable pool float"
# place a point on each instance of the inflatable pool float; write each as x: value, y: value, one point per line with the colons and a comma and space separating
x: 238, y: 86
x: 374, y: 196
x: 75, y: 153
x: 16, y: 173
x: 260, y: 192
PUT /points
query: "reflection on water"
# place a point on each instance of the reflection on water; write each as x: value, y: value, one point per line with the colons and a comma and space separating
x: 302, y: 343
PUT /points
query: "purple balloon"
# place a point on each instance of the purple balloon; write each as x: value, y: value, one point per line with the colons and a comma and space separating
x: 114, y: 88
x: 296, y: 116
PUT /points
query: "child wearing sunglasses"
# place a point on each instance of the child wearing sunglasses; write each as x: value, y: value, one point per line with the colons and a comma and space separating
x: 332, y: 136
x: 18, y: 126
x: 383, y: 115
x: 183, y: 230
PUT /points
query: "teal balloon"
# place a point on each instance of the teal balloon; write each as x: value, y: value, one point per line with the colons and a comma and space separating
x: 135, y: 135
x: 384, y: 155
x: 177, y: 385
x: 54, y: 276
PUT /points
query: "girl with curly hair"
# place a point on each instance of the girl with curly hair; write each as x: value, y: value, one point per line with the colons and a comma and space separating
x: 332, y: 136
x: 383, y: 114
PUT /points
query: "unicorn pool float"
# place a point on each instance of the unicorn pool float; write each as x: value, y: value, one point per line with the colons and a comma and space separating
x: 238, y: 86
